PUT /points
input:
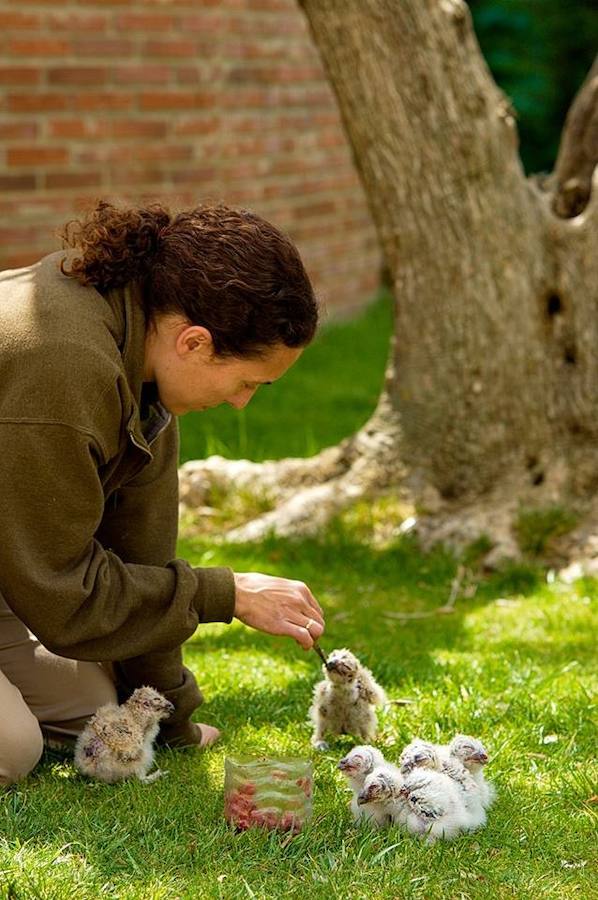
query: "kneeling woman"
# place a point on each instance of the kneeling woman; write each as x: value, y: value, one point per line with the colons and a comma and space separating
x: 147, y: 316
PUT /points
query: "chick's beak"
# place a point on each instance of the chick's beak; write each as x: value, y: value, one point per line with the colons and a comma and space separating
x: 169, y: 707
x: 362, y: 798
x: 343, y: 765
x: 478, y: 756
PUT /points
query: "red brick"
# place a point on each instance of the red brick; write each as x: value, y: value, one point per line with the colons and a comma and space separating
x: 20, y: 258
x: 69, y: 128
x: 316, y: 209
x: 113, y: 48
x: 275, y: 74
x: 192, y: 75
x: 243, y: 98
x: 188, y: 100
x: 16, y: 130
x: 125, y: 176
x: 75, y: 21
x: 142, y: 152
x: 37, y: 207
x: 19, y: 75
x: 142, y: 128
x: 271, y: 5
x: 36, y: 156
x: 176, y: 48
x: 194, y: 174
x: 18, y: 21
x: 204, y: 21
x: 17, y: 182
x: 142, y: 74
x: 77, y: 75
x: 103, y: 3
x: 16, y: 234
x: 145, y: 21
x: 245, y: 168
x: 170, y: 100
x: 72, y: 180
x: 101, y: 102
x: 161, y: 152
x: 38, y: 47
x: 41, y: 102
x: 245, y: 194
x: 197, y: 125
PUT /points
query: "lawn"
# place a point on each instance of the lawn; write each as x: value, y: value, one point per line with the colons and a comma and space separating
x: 513, y: 664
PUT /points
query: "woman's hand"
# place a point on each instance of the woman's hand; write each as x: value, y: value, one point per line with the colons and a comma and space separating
x: 278, y: 606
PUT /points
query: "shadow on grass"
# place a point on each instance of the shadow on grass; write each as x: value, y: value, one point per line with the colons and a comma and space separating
x: 361, y: 589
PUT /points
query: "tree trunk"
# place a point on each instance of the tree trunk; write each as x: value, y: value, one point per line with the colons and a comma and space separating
x: 491, y: 392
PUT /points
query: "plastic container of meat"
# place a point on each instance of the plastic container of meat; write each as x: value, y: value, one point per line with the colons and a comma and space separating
x: 267, y: 792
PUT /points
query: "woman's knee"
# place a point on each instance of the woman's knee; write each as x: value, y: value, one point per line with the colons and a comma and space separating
x: 21, y: 746
x: 72, y: 690
x: 95, y: 688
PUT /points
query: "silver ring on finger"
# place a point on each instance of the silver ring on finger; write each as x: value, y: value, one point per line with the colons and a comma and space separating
x: 308, y: 625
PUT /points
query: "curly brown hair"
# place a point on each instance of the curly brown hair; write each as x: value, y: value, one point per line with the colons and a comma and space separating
x: 225, y: 269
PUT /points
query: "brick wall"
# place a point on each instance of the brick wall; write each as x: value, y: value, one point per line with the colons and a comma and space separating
x: 182, y: 100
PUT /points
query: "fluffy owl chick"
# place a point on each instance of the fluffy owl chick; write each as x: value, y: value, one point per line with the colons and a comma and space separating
x: 358, y: 763
x: 117, y: 742
x: 449, y: 759
x: 345, y: 701
x: 422, y: 754
x: 470, y: 792
x: 381, y: 798
x: 356, y: 766
x: 472, y: 754
x: 436, y: 807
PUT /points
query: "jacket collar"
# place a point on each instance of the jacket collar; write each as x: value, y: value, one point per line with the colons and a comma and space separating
x: 131, y: 326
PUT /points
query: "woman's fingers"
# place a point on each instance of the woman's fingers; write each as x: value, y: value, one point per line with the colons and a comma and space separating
x: 307, y: 633
x: 301, y: 635
x: 311, y: 600
x: 278, y: 606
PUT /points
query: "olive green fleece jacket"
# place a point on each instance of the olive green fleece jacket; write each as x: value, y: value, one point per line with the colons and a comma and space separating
x: 88, y: 489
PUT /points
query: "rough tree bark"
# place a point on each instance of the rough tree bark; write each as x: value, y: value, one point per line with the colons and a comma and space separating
x: 491, y: 399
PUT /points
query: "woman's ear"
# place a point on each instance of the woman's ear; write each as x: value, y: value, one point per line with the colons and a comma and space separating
x: 194, y: 339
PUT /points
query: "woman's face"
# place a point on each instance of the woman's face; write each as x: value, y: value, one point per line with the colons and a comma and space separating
x: 180, y: 358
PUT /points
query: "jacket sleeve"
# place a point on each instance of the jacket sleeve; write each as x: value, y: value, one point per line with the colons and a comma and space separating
x: 140, y: 525
x: 78, y: 597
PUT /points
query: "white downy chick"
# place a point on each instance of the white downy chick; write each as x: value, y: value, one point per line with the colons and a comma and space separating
x: 472, y: 754
x: 436, y: 806
x: 356, y: 766
x: 345, y: 700
x: 381, y: 798
x: 422, y: 754
x: 117, y: 742
x: 443, y: 758
x: 470, y: 792
x: 358, y: 763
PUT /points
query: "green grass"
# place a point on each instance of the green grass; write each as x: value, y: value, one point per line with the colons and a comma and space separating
x: 513, y: 664
x: 536, y: 527
x: 310, y: 407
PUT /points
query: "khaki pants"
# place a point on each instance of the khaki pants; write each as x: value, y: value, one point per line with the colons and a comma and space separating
x: 37, y: 686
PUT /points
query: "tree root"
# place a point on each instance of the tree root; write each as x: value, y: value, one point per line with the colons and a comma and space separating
x: 308, y: 493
